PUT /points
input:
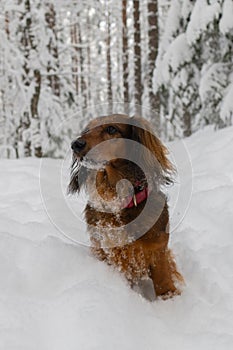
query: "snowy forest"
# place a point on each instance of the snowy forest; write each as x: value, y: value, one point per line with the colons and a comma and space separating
x: 65, y: 62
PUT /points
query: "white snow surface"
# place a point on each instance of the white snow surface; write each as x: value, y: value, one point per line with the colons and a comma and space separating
x: 54, y: 295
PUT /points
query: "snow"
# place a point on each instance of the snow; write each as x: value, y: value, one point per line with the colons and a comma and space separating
x: 177, y: 54
x: 202, y: 16
x: 172, y: 24
x: 227, y: 105
x: 226, y: 23
x: 216, y: 82
x: 193, y: 67
x: 214, y: 78
x: 55, y: 295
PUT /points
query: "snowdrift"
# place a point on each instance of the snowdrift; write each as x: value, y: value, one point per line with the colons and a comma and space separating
x: 54, y: 295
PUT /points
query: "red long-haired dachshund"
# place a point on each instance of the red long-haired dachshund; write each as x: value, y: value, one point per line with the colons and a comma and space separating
x: 123, y: 167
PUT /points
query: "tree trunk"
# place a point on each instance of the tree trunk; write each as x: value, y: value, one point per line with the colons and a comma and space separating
x: 153, y: 35
x: 83, y: 82
x: 74, y: 57
x: 7, y: 29
x: 137, y: 58
x: 30, y: 123
x: 54, y: 81
x: 109, y: 67
x: 35, y: 125
x: 89, y: 70
x: 186, y: 123
x: 125, y: 57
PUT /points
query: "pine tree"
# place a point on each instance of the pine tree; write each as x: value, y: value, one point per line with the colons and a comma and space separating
x: 125, y: 52
x: 194, y: 66
x: 176, y: 73
x: 60, y: 58
x: 30, y: 122
x: 153, y: 44
x: 216, y: 54
x: 53, y: 62
x: 108, y: 59
x: 138, y: 90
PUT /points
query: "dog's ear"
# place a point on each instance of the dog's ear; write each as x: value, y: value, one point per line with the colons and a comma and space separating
x: 156, y: 152
x: 77, y: 177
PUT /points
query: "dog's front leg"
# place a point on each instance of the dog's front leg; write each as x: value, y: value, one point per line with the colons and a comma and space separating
x: 162, y: 272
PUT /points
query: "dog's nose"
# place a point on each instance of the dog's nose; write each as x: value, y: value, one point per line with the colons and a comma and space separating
x: 78, y: 145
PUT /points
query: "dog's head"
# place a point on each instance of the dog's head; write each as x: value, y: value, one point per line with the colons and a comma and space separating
x: 105, y: 143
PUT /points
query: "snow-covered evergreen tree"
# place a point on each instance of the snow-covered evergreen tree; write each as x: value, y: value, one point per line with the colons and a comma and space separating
x: 194, y: 67
x: 177, y: 74
x: 58, y: 61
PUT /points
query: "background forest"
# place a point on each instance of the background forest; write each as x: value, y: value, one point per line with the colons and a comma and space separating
x: 65, y: 62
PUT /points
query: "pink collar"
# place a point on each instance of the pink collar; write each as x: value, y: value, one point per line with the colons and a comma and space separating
x: 137, y: 198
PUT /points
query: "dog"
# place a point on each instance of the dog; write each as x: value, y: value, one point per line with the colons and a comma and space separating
x: 124, y: 167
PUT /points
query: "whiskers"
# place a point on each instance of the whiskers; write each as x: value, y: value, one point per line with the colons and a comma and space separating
x: 79, y: 171
x: 74, y: 166
x: 75, y: 183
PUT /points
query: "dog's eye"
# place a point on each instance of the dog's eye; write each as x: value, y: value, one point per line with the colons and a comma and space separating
x: 111, y: 130
x: 85, y: 131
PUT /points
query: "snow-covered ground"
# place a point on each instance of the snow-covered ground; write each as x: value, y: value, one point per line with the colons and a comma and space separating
x: 54, y: 295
